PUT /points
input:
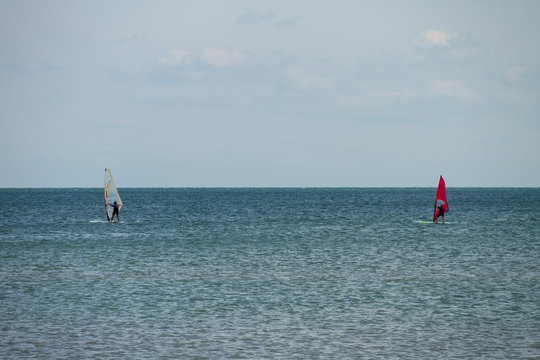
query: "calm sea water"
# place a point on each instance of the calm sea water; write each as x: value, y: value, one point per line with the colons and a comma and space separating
x: 270, y: 273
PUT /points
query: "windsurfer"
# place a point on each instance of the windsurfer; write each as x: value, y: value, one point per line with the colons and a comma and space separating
x: 115, y: 211
x: 439, y: 214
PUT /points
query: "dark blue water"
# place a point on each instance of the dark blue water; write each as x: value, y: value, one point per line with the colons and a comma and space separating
x: 270, y: 273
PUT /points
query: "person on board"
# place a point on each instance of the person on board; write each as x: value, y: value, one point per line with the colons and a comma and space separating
x: 439, y: 214
x: 115, y: 211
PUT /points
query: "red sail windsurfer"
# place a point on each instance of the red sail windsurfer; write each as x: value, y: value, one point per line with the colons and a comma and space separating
x: 441, y: 204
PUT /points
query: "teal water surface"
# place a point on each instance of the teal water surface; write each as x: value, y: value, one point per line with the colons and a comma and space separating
x: 270, y: 273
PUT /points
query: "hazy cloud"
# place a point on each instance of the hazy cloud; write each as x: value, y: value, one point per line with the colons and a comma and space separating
x: 174, y: 57
x: 287, y: 22
x: 450, y: 88
x: 516, y: 97
x: 449, y: 44
x: 131, y: 38
x: 309, y: 81
x: 465, y: 46
x: 376, y: 99
x: 514, y: 73
x: 211, y: 56
x: 222, y: 57
x: 268, y: 17
x: 254, y: 17
x: 281, y: 59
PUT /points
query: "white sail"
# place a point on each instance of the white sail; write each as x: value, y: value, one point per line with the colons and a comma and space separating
x: 111, y: 194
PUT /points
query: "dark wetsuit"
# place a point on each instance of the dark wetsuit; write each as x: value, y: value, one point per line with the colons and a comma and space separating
x: 441, y: 211
x: 115, y: 210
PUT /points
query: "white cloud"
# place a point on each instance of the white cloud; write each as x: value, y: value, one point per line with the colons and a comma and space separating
x: 437, y: 38
x: 222, y: 58
x: 450, y: 88
x: 174, y: 57
x: 452, y: 44
x: 514, y: 73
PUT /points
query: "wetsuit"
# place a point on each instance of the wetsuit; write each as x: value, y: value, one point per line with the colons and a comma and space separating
x: 115, y: 210
x: 441, y: 211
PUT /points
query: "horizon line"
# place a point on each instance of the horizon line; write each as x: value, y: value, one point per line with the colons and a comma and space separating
x: 269, y: 187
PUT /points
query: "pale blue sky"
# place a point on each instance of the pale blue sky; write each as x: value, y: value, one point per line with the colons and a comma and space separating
x: 269, y: 93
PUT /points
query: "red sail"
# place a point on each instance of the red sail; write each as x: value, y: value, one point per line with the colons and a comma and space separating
x: 440, y: 199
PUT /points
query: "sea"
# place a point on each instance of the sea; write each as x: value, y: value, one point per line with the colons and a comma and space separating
x: 273, y: 273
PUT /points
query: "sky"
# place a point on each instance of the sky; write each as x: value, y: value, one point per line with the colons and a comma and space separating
x: 269, y: 93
